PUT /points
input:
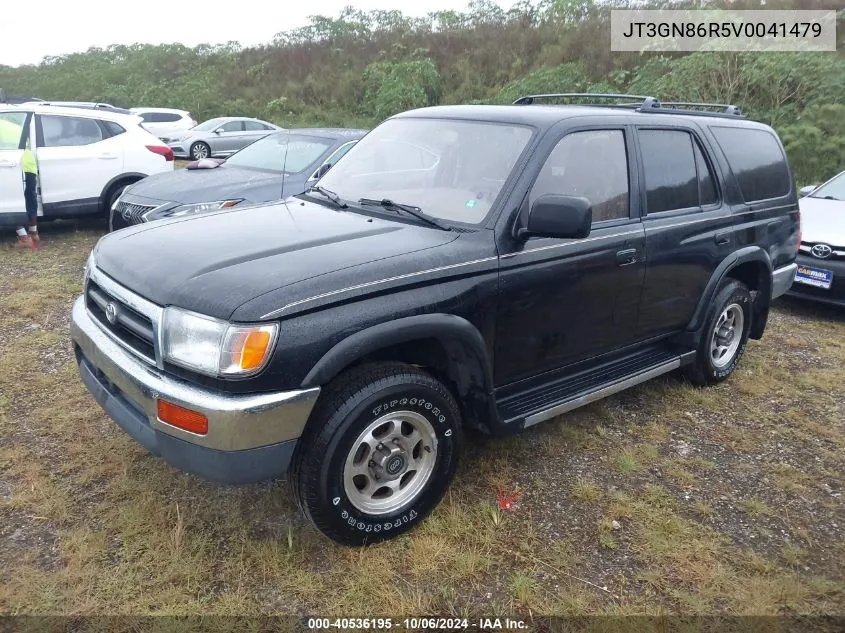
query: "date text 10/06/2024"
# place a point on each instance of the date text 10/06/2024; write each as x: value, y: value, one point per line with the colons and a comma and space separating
x: 417, y: 624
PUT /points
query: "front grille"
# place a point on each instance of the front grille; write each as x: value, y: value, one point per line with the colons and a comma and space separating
x: 838, y: 252
x: 127, y: 214
x: 129, y: 326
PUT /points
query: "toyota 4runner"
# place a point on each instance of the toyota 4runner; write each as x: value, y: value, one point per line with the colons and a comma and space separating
x: 464, y: 268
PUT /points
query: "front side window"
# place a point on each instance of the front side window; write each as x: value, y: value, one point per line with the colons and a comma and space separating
x: 592, y: 165
x: 449, y: 169
x: 11, y: 129
x: 832, y: 190
x: 339, y: 153
x: 291, y: 153
x: 65, y: 131
x: 208, y: 126
x: 233, y: 126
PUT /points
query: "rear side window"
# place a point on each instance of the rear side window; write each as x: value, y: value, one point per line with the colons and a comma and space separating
x: 110, y: 129
x: 11, y: 129
x: 148, y: 117
x: 757, y: 162
x: 64, y: 131
x: 254, y: 126
x: 593, y: 165
x: 677, y: 175
x: 166, y: 117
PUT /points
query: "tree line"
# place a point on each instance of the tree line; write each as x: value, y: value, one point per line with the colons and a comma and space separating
x: 363, y: 66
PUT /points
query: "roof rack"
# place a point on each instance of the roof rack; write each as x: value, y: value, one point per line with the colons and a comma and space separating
x: 640, y: 103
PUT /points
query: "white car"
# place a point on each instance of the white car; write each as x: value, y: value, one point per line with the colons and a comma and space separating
x: 86, y: 158
x: 164, y: 122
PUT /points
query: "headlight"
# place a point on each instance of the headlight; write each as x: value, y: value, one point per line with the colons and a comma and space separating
x: 89, y: 265
x: 215, y: 347
x: 191, y: 209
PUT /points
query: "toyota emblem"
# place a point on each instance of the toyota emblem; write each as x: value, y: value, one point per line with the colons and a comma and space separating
x: 111, y: 312
x: 822, y: 251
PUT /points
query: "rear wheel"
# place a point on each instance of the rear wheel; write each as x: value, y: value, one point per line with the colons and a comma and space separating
x: 200, y: 150
x: 381, y: 449
x: 725, y: 335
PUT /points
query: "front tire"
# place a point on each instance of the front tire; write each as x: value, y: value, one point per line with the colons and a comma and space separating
x: 200, y: 150
x: 379, y: 453
x: 725, y: 335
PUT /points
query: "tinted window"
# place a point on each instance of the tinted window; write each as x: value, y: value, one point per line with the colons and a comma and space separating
x: 63, y: 131
x: 756, y: 160
x: 670, y: 173
x: 593, y: 165
x: 148, y: 117
x: 167, y: 117
x: 11, y: 128
x: 110, y: 129
x: 706, y: 182
x: 233, y: 126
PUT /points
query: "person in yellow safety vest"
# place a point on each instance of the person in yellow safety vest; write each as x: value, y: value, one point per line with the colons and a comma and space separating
x: 29, y: 237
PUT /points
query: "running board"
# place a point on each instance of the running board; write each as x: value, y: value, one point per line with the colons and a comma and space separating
x: 559, y: 397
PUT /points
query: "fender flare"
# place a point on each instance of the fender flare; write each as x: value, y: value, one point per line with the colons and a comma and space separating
x: 454, y: 331
x: 134, y: 176
x: 737, y: 258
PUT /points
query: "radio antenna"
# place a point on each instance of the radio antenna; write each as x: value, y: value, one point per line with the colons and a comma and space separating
x: 285, y: 161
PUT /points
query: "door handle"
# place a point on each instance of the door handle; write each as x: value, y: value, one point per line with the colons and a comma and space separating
x: 107, y: 156
x: 626, y: 257
x: 7, y: 163
x: 722, y: 238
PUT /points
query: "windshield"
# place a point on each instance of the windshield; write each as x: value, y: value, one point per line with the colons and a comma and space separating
x: 209, y: 125
x: 452, y: 170
x: 834, y: 189
x: 269, y: 153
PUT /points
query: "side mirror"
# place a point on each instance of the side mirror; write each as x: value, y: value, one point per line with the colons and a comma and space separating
x: 322, y: 171
x: 218, y: 130
x: 806, y: 191
x: 558, y: 216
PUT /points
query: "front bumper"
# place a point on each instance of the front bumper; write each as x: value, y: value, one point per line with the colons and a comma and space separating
x: 835, y: 295
x: 179, y: 149
x: 250, y: 437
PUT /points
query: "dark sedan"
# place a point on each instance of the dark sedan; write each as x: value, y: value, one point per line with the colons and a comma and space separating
x: 274, y: 167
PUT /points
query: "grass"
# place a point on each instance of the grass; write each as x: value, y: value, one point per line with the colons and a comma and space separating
x: 664, y: 499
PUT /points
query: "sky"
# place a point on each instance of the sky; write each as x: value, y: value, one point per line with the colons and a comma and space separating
x: 59, y: 27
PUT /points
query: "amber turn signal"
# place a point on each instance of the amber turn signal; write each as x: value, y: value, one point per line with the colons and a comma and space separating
x: 182, y: 418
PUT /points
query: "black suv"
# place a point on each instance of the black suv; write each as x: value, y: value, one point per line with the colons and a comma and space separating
x: 465, y: 268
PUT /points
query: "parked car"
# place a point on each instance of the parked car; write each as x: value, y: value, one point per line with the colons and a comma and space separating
x: 821, y: 262
x: 85, y: 159
x: 271, y: 168
x: 85, y: 105
x: 463, y: 267
x: 165, y: 122
x: 218, y: 137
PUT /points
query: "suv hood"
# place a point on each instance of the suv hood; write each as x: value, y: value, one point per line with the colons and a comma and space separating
x: 185, y: 186
x: 215, y: 262
x: 822, y: 221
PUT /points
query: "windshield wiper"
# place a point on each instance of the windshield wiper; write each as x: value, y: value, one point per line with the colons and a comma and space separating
x: 407, y: 208
x: 331, y: 195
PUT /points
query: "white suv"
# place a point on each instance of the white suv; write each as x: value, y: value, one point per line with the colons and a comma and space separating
x: 165, y: 122
x: 86, y: 158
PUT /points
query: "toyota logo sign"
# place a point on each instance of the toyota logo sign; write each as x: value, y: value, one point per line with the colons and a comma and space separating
x: 111, y: 312
x: 822, y: 251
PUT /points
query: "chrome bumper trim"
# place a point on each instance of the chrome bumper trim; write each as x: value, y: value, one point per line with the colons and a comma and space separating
x: 235, y: 422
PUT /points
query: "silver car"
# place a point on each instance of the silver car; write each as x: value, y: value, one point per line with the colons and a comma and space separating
x: 218, y: 137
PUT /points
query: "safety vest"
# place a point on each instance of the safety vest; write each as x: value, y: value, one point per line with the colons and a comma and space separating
x: 30, y: 166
